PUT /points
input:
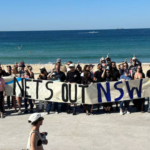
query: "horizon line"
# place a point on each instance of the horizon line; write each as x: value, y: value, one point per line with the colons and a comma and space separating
x: 71, y: 29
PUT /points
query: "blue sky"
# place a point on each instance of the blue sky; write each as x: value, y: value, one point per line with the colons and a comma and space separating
x: 16, y: 15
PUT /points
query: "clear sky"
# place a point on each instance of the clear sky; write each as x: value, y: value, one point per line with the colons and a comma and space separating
x: 16, y: 15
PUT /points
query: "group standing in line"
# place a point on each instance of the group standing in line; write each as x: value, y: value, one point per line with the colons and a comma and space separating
x: 107, y: 71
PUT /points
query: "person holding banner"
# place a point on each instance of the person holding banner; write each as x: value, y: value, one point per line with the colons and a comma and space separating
x: 2, y: 93
x: 85, y: 81
x: 15, y: 73
x: 108, y: 78
x: 43, y: 76
x: 125, y: 77
x: 98, y: 78
x: 116, y: 76
x: 73, y: 76
x: 139, y: 103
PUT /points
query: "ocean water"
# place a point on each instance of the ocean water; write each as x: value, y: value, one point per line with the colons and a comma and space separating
x: 85, y: 46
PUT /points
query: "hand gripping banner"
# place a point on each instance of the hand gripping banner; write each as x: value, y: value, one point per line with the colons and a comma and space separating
x: 77, y: 93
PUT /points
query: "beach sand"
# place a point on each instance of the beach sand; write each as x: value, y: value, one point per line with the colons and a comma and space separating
x: 36, y: 67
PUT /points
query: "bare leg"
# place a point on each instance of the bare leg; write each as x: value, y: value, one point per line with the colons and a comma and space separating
x: 19, y: 102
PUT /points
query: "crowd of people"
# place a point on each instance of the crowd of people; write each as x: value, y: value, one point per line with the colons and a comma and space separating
x: 107, y: 71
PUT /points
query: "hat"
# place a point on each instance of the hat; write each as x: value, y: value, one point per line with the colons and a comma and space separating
x: 21, y: 64
x: 42, y: 68
x: 134, y: 58
x: 102, y: 58
x: 71, y: 66
x: 90, y: 65
x: 108, y: 59
x: 53, y: 74
x: 34, y: 117
x: 126, y: 71
x: 58, y: 60
x: 78, y: 66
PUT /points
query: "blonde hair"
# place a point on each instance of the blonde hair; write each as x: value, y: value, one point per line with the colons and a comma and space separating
x: 15, y: 70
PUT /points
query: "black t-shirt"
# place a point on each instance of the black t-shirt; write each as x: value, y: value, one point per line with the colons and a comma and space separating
x: 73, y: 77
x: 60, y: 75
x: 148, y: 74
x: 98, y: 76
x: 4, y: 73
x: 115, y: 75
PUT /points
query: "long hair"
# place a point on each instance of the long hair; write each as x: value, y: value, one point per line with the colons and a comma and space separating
x: 111, y: 66
x: 84, y: 69
x: 86, y: 76
x: 15, y: 70
x: 141, y: 70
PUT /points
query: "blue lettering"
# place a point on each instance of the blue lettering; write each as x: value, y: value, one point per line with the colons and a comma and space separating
x: 134, y: 88
x: 107, y: 94
x: 120, y: 90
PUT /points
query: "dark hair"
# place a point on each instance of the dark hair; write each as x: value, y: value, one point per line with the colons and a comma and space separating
x: 86, y: 76
x: 36, y: 122
x: 85, y: 68
x: 111, y: 66
x: 28, y: 66
x: 141, y: 70
x: 70, y: 62
x: 126, y: 63
x: 43, y: 70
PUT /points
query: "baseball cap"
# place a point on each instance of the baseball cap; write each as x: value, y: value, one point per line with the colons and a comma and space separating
x: 42, y: 68
x: 34, y: 117
x: 58, y: 60
x: 126, y: 71
x: 102, y: 58
x: 71, y: 66
x: 134, y: 58
x: 53, y: 74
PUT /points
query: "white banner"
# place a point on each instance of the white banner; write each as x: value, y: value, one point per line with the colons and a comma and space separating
x: 76, y: 93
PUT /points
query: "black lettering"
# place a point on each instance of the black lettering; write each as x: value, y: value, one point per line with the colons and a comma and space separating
x: 64, y: 98
x: 83, y: 92
x: 37, y: 87
x: 50, y: 90
x: 75, y: 100
x: 26, y: 87
x: 14, y: 86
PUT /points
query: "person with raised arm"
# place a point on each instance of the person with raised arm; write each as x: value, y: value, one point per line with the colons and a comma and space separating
x: 43, y: 76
